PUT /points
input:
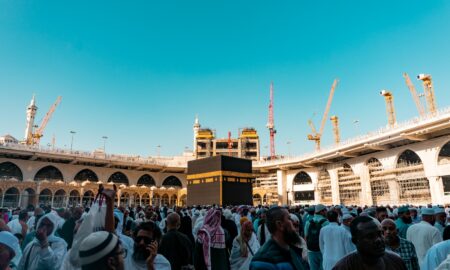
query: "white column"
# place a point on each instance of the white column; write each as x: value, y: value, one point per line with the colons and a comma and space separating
x: 394, y: 192
x: 334, y: 186
x: 281, y: 184
x: 436, y: 189
x: 366, y: 189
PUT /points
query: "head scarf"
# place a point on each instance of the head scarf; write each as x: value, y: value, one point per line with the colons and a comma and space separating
x: 211, y: 235
x: 53, y: 219
x: 242, y: 240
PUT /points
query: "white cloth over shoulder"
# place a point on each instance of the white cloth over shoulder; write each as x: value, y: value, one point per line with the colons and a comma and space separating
x: 160, y: 263
x: 335, y: 243
x: 50, y: 258
x: 423, y: 235
x: 238, y: 262
x: 436, y: 255
x: 15, y: 226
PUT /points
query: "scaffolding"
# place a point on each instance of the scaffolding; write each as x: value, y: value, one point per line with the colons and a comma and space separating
x: 379, y: 180
x: 414, y: 187
x: 349, y: 186
x: 324, y: 187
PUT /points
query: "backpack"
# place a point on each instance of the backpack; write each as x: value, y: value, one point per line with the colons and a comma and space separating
x: 312, y: 241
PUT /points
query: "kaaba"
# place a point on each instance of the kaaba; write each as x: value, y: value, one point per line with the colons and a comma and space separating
x: 220, y: 180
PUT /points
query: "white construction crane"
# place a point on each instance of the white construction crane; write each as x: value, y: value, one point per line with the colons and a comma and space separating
x: 429, y: 92
x: 389, y: 98
x: 414, y: 94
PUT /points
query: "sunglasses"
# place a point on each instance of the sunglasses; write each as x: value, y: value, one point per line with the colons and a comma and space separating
x: 147, y: 240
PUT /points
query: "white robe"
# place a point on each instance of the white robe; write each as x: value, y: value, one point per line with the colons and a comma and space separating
x: 51, y: 258
x: 423, y: 235
x: 436, y: 255
x: 160, y: 263
x: 335, y: 243
x: 237, y: 262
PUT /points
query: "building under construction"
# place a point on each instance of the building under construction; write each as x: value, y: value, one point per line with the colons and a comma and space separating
x: 207, y: 145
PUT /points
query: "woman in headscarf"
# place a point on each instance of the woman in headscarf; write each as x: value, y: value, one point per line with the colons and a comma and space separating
x: 46, y: 251
x: 210, y: 251
x: 245, y: 245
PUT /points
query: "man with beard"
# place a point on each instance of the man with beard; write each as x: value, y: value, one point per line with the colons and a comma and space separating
x: 335, y: 242
x: 69, y: 226
x: 423, y: 234
x: 381, y: 213
x: 404, y: 248
x: 277, y: 252
x: 146, y: 241
x: 403, y: 221
x: 312, y: 233
x: 440, y: 218
x: 368, y: 238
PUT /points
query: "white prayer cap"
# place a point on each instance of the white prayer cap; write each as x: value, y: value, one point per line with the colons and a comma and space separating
x: 439, y: 210
x: 346, y: 216
x: 427, y: 211
x: 8, y: 239
x: 96, y: 246
x: 319, y: 208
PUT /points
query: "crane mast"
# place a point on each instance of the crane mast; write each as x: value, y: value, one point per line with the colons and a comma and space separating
x: 413, y: 91
x: 390, y: 110
x: 335, y: 121
x: 39, y: 133
x: 316, y: 136
x: 270, y: 124
x: 429, y: 92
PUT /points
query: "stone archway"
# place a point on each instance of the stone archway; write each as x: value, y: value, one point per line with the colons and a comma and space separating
x: 74, y: 198
x: 173, y: 200
x: 118, y: 178
x: 28, y: 197
x: 88, y: 198
x: 49, y: 173
x: 145, y: 201
x: 165, y: 199
x: 379, y: 182
x: 172, y: 181
x: 59, y: 200
x: 86, y: 175
x: 414, y: 187
x: 156, y: 201
x: 10, y: 171
x: 257, y: 199
x: 11, y: 198
x: 349, y: 186
x: 45, y: 197
x: 125, y: 199
x: 183, y: 200
x: 324, y: 187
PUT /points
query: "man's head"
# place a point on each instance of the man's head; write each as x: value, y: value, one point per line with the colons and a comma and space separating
x: 173, y: 221
x: 295, y: 222
x: 45, y: 224
x: 413, y: 212
x: 332, y: 216
x: 23, y: 215
x: 440, y: 215
x: 101, y: 250
x: 404, y: 214
x: 389, y: 230
x: 428, y: 215
x: 381, y: 213
x: 77, y: 213
x: 280, y: 225
x: 368, y: 237
x: 347, y: 219
x: 247, y: 229
x: 145, y: 234
x: 320, y: 209
x: 8, y: 245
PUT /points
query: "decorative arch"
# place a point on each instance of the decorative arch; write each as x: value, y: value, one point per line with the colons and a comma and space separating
x: 173, y: 200
x: 28, y: 197
x: 11, y: 198
x: 136, y: 199
x: 183, y: 200
x: 59, y: 198
x: 156, y: 200
x: 10, y: 171
x: 265, y: 199
x: 145, y: 199
x: 302, y: 178
x: 257, y: 199
x: 444, y: 154
x: 164, y: 199
x: 74, y: 198
x: 86, y: 174
x: 324, y: 187
x: 414, y: 187
x: 172, y: 181
x: 50, y: 173
x: 119, y: 178
x: 45, y: 197
x: 125, y: 199
x: 379, y: 182
x: 146, y: 180
x: 349, y: 186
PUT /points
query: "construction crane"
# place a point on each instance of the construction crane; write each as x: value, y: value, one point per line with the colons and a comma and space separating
x: 39, y: 132
x: 230, y: 143
x: 429, y: 92
x: 414, y: 94
x: 389, y: 98
x: 270, y: 124
x: 335, y: 121
x: 316, y: 136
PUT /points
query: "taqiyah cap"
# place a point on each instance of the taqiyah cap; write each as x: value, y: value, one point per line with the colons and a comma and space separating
x: 8, y: 239
x: 96, y: 246
x: 319, y: 208
x: 427, y: 211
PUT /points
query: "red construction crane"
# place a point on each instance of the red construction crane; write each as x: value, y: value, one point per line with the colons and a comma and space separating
x: 270, y: 124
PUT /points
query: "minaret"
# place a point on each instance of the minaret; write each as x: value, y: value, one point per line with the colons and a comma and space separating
x: 196, y: 129
x: 31, y: 113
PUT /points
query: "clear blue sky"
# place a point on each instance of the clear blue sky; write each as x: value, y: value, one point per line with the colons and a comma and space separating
x: 139, y: 72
